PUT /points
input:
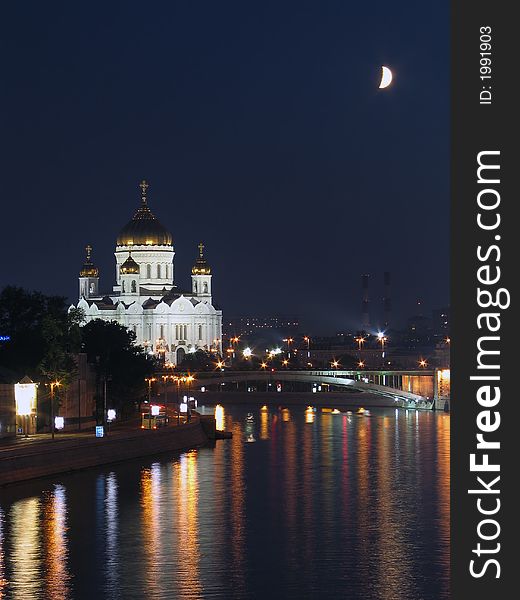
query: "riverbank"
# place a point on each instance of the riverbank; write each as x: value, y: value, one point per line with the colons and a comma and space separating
x: 42, y: 457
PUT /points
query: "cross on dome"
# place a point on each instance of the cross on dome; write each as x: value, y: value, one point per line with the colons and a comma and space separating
x: 89, y: 270
x: 201, y: 266
x: 144, y: 186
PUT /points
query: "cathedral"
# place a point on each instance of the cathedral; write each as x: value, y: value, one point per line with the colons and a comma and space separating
x: 167, y: 321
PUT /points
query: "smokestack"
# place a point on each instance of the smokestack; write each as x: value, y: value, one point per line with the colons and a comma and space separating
x: 365, y: 318
x: 387, y: 305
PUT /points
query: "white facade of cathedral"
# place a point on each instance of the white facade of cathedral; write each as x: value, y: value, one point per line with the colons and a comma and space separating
x: 145, y: 297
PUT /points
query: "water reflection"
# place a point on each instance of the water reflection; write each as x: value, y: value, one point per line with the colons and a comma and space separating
x: 394, y: 577
x: 188, y: 543
x: 150, y: 527
x: 340, y: 505
x: 57, y: 578
x: 264, y: 424
x: 25, y: 552
x: 220, y: 418
x: 443, y: 486
x: 309, y: 415
x: 112, y: 536
x: 3, y: 580
x: 238, y: 499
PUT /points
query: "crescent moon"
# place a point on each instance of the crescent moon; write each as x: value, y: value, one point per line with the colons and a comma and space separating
x: 386, y: 78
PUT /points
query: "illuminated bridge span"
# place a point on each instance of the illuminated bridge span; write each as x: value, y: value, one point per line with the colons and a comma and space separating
x: 406, y: 387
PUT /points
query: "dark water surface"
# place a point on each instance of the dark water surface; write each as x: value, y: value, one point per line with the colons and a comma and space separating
x: 319, y: 506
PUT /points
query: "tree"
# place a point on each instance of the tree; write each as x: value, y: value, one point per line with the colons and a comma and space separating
x: 44, y: 337
x: 35, y: 323
x: 347, y: 361
x: 197, y: 361
x: 120, y: 365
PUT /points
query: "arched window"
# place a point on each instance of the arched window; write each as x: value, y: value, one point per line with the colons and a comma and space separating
x: 205, y: 287
x: 134, y: 287
x: 200, y: 332
x: 194, y: 287
x: 159, y: 272
x: 123, y: 287
x: 148, y: 271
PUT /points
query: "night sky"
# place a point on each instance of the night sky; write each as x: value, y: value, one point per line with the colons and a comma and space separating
x: 261, y: 131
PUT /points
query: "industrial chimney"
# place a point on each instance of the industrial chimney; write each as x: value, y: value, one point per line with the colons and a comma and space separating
x: 387, y: 306
x: 365, y: 318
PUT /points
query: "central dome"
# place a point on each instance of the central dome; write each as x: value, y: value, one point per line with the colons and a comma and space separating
x: 144, y: 229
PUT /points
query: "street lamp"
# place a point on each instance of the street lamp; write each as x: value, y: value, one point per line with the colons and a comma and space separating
x: 360, y: 340
x: 150, y: 380
x: 423, y: 363
x: 382, y: 339
x: 165, y: 379
x: 53, y: 384
x: 289, y: 342
x: 307, y: 339
x: 247, y: 353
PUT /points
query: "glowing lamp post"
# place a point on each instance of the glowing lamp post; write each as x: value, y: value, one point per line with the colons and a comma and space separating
x: 52, y: 385
x: 150, y: 380
x: 360, y: 340
x: 307, y: 339
x: 382, y: 340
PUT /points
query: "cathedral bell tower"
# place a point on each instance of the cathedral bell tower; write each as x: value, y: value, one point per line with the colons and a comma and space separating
x: 88, y: 277
x: 201, y: 277
x: 129, y: 274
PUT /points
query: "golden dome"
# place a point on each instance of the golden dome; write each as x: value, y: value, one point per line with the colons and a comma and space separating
x: 201, y: 266
x: 88, y: 269
x: 144, y: 229
x: 129, y: 267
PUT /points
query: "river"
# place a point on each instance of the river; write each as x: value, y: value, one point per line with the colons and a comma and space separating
x: 297, y: 505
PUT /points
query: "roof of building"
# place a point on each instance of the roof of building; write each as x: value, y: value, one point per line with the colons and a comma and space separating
x: 129, y: 267
x: 144, y: 229
x: 89, y: 269
x: 201, y: 266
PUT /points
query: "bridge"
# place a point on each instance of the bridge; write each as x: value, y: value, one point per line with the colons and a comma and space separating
x: 406, y: 388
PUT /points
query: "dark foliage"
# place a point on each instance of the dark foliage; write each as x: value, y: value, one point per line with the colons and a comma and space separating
x: 118, y: 362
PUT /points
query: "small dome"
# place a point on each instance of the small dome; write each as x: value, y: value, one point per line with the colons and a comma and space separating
x: 129, y: 267
x: 201, y: 266
x: 144, y: 229
x: 88, y: 269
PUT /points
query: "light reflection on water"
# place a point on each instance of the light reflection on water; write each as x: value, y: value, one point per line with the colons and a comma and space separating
x: 336, y: 506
